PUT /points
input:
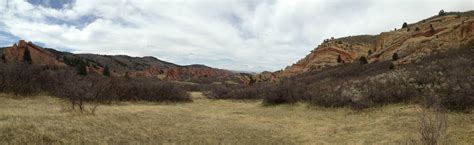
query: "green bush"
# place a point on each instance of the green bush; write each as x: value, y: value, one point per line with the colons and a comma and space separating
x: 363, y: 60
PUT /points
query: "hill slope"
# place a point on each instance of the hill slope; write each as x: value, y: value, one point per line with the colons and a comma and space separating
x: 429, y: 36
x: 120, y: 65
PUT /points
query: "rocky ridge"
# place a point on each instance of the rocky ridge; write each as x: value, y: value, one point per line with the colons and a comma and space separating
x: 429, y: 36
x: 119, y: 65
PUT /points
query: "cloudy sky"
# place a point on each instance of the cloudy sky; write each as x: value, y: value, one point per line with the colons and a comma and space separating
x: 248, y: 35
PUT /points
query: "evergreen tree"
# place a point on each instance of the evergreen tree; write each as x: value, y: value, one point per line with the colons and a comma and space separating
x: 442, y: 13
x: 395, y: 56
x: 404, y: 25
x: 27, y: 56
x: 81, y: 69
x: 363, y: 60
x: 4, y: 59
x: 339, y: 59
x: 106, y: 71
x: 392, y: 66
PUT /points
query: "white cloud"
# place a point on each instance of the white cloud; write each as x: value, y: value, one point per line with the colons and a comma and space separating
x: 232, y: 34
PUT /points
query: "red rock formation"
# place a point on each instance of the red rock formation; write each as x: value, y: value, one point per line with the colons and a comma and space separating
x: 262, y: 77
x: 39, y: 56
x: 433, y: 35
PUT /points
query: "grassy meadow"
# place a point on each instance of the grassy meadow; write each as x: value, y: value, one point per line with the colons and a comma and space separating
x: 45, y: 119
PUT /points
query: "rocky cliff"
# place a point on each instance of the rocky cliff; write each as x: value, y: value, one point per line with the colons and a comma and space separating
x: 429, y: 36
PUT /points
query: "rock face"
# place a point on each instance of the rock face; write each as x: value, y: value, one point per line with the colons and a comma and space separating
x: 333, y: 52
x: 429, y: 36
x: 249, y: 79
x: 27, y: 52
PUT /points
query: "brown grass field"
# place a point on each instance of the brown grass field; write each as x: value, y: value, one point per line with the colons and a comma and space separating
x: 47, y: 120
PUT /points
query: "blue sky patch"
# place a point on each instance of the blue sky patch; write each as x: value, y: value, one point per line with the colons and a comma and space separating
x: 7, y: 39
x: 55, y: 4
x: 80, y: 23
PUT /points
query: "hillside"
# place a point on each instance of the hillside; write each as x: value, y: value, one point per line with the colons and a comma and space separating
x: 429, y: 36
x: 119, y: 65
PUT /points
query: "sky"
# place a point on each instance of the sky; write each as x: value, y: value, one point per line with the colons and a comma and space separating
x: 245, y: 35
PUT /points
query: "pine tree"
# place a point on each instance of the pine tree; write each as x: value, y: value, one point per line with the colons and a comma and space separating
x: 27, y: 56
x: 363, y: 60
x: 4, y: 59
x: 395, y: 56
x: 81, y: 69
x: 442, y: 13
x: 392, y: 66
x: 404, y: 25
x: 106, y: 71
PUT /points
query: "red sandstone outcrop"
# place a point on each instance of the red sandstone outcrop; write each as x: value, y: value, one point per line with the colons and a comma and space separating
x: 249, y: 79
x: 38, y: 55
x: 429, y: 36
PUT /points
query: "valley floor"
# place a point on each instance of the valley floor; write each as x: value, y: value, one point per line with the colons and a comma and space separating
x: 47, y: 119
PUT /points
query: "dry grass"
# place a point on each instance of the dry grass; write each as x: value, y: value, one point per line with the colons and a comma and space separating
x: 47, y: 119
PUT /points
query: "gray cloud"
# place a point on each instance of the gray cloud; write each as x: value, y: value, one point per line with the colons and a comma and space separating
x: 233, y: 34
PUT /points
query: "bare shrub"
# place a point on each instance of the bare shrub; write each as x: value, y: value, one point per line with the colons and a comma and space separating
x: 431, y: 128
x: 236, y: 91
x: 137, y: 89
x: 63, y: 82
x: 445, y: 80
x: 21, y: 80
x: 287, y: 91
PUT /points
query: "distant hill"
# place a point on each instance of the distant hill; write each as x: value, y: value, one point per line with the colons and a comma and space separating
x: 120, y: 65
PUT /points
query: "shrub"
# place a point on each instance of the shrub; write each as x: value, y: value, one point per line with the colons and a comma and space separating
x: 106, y: 71
x: 82, y: 69
x: 395, y: 56
x: 236, y: 91
x: 363, y: 60
x: 431, y: 127
x: 445, y: 80
x: 20, y: 80
x: 4, y: 60
x: 285, y: 92
x: 27, y: 80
